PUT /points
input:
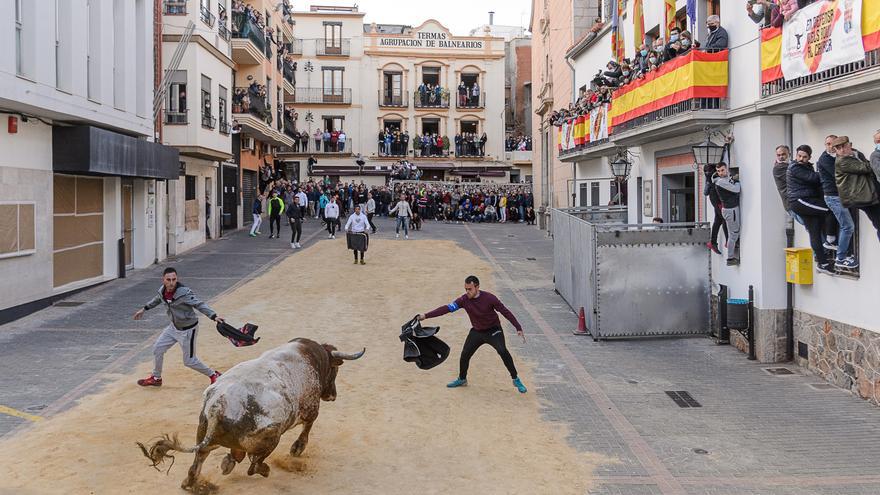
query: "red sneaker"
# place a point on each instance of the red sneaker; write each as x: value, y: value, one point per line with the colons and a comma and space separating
x: 150, y: 381
x: 213, y: 377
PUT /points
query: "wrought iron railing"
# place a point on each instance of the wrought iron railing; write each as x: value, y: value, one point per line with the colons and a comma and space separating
x: 469, y: 100
x: 671, y: 111
x: 175, y: 7
x: 583, y: 147
x: 206, y: 15
x: 246, y: 101
x: 245, y: 28
x: 268, y: 50
x: 224, y: 127
x: 781, y: 85
x: 430, y: 99
x: 341, y: 96
x: 209, y: 121
x: 295, y: 47
x: 223, y: 30
x: 289, y: 73
x: 333, y: 47
x: 174, y: 118
x: 388, y: 99
x: 289, y: 127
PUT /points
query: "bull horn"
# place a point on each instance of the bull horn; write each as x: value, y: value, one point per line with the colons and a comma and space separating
x: 348, y: 357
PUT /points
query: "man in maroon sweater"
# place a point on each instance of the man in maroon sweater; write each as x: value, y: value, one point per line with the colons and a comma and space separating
x: 481, y: 307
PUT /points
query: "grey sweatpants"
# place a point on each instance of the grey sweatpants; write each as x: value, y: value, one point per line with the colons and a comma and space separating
x: 187, y: 341
x: 732, y: 219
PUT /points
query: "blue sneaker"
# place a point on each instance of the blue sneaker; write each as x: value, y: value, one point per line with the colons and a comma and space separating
x: 519, y: 385
x: 458, y: 382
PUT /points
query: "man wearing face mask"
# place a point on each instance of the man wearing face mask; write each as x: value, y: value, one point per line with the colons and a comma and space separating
x: 673, y: 46
x: 718, y: 39
x: 875, y: 155
x: 641, y: 61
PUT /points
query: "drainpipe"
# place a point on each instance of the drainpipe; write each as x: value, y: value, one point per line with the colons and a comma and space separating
x: 789, y: 242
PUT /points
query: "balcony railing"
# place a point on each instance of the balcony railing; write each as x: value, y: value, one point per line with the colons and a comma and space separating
x: 396, y: 149
x: 175, y: 118
x: 244, y: 28
x: 672, y: 110
x: 268, y: 51
x: 322, y: 147
x: 583, y: 147
x: 341, y: 96
x: 206, y: 16
x: 289, y: 74
x: 469, y: 100
x: 388, y: 99
x: 223, y: 30
x: 209, y: 121
x: 295, y: 47
x: 333, y: 47
x: 246, y: 101
x: 224, y: 127
x: 289, y: 127
x: 426, y: 99
x: 175, y: 7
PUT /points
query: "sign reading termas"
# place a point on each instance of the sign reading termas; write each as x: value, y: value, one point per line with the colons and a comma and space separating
x: 431, y: 40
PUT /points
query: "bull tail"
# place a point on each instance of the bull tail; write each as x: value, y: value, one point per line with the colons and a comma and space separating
x: 158, y: 451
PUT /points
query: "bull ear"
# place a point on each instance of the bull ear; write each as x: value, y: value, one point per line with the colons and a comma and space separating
x: 348, y: 357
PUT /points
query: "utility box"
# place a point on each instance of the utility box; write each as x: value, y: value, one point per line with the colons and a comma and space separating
x: 799, y: 266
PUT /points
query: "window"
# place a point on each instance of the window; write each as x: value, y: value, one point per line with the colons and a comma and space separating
x: 333, y: 122
x: 175, y: 109
x: 430, y: 126
x: 17, y: 226
x: 333, y: 38
x: 582, y: 194
x: 392, y: 88
x: 18, y: 27
x: 469, y: 126
x: 431, y: 75
x: 391, y: 124
x: 221, y: 108
x: 208, y: 119
x: 594, y: 194
x: 189, y: 188
x: 333, y: 80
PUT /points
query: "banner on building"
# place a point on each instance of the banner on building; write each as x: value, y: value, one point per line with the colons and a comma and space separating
x: 599, y: 123
x: 820, y: 36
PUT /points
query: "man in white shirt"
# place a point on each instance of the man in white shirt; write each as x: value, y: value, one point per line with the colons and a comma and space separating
x: 341, y: 141
x: 371, y: 210
x: 331, y: 216
x: 303, y: 201
x: 356, y: 233
x: 403, y: 213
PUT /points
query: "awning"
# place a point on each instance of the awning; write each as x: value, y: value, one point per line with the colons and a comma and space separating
x: 91, y: 150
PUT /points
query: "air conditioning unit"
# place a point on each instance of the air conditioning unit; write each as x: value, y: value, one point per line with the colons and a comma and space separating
x: 247, y: 143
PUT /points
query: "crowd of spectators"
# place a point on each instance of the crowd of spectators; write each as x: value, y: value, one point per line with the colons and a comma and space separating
x: 652, y: 54
x: 468, y: 95
x: 431, y: 95
x: 518, y: 143
x: 772, y: 13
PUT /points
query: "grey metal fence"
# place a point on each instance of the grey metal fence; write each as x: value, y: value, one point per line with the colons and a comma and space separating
x: 632, y: 280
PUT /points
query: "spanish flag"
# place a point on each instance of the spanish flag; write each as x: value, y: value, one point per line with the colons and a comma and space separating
x: 670, y: 17
x: 638, y: 24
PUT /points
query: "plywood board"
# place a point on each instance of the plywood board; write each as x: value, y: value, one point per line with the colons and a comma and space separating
x: 26, y: 226
x: 89, y: 195
x: 78, y: 264
x: 191, y: 220
x: 64, y: 189
x: 8, y: 229
x: 71, y: 231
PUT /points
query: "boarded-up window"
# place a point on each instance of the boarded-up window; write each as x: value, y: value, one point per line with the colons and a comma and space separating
x: 16, y: 229
x: 78, y: 229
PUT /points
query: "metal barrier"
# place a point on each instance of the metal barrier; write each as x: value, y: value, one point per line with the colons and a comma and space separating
x: 632, y: 280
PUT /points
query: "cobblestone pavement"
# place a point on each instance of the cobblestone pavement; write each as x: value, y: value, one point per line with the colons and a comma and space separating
x: 755, y: 433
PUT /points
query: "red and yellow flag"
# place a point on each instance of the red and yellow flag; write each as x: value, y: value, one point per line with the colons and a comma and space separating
x: 670, y: 16
x: 638, y: 24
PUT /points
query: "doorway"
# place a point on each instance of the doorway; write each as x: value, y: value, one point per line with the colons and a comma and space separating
x: 680, y: 198
x: 431, y: 75
x: 430, y: 126
x: 392, y: 88
x: 127, y: 221
x: 208, y: 206
x: 230, y: 198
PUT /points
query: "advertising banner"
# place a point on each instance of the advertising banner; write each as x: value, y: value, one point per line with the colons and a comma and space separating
x: 820, y: 36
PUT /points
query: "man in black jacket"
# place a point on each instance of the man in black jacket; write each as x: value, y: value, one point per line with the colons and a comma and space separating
x: 805, y: 199
x: 295, y: 219
x: 718, y: 39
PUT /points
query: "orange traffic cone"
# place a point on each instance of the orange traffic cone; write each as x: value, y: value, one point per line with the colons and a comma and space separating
x: 582, y: 324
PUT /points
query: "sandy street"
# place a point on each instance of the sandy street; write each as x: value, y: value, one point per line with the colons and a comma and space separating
x: 393, y: 428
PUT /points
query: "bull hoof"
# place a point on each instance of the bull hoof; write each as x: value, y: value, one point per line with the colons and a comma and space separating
x: 297, y: 448
x: 262, y: 469
x: 228, y: 464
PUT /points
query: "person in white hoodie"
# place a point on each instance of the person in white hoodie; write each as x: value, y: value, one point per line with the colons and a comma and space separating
x: 403, y: 213
x: 331, y: 216
x: 356, y: 233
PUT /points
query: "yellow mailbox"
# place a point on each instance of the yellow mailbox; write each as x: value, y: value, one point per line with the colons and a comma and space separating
x: 799, y: 265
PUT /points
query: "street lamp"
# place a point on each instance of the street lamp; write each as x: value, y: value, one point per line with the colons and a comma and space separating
x: 620, y: 167
x: 707, y: 152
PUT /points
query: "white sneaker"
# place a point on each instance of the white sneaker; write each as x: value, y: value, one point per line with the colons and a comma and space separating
x: 330, y: 236
x: 298, y: 245
x: 406, y: 237
x: 333, y: 236
x: 397, y: 236
x: 292, y: 245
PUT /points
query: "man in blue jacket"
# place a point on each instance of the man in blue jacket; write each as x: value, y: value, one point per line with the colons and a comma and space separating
x: 257, y: 211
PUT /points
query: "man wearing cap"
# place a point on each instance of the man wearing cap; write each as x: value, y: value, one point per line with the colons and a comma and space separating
x: 856, y: 181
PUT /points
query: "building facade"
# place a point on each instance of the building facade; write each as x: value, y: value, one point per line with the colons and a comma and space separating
x: 363, y: 79
x: 835, y: 332
x: 81, y: 183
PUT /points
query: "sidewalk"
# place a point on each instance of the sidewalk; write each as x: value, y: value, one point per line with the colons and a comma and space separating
x: 55, y: 356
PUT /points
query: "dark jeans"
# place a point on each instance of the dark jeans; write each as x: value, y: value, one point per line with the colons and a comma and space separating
x: 331, y: 225
x: 494, y: 337
x: 275, y: 224
x: 873, y: 213
x: 370, y: 220
x: 718, y: 223
x: 296, y: 227
x: 813, y: 219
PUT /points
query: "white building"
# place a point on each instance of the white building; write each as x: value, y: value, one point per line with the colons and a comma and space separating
x: 363, y: 79
x: 834, y: 312
x: 196, y: 120
x: 79, y: 195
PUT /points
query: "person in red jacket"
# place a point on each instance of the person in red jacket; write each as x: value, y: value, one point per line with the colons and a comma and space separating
x: 482, y: 308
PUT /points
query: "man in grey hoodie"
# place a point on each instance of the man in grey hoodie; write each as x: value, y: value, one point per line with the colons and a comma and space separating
x: 181, y: 304
x: 728, y: 191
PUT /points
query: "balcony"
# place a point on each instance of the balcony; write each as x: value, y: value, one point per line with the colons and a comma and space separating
x: 846, y: 84
x: 426, y: 99
x: 333, y: 47
x: 209, y: 122
x: 390, y: 100
x: 206, y: 16
x: 224, y: 127
x: 325, y: 147
x: 223, y: 30
x: 470, y: 102
x: 174, y: 7
x: 336, y: 96
x: 176, y: 118
x: 248, y: 40
x: 255, y: 116
x: 268, y: 51
x: 295, y: 47
x: 289, y: 128
x: 246, y: 101
x: 289, y: 74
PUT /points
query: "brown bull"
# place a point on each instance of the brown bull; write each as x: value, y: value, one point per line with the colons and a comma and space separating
x: 254, y: 403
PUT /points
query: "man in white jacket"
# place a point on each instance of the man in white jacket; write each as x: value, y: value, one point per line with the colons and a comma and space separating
x: 356, y: 233
x: 371, y: 210
x: 331, y: 216
x: 403, y: 213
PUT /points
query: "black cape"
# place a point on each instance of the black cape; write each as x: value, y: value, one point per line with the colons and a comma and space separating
x: 239, y: 337
x: 421, y: 346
